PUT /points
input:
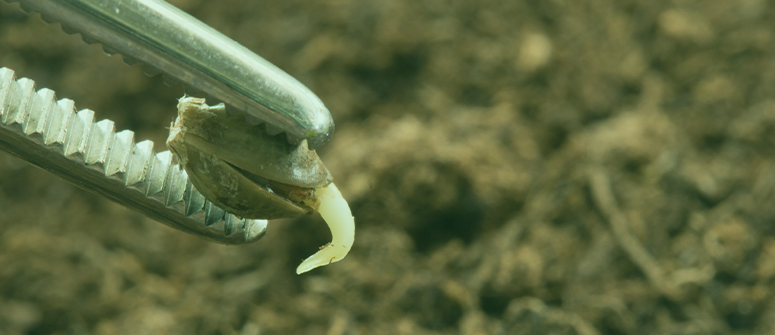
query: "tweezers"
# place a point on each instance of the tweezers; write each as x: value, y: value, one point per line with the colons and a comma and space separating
x: 55, y: 136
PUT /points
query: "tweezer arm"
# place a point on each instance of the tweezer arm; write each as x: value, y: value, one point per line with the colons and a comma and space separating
x: 51, y: 135
x: 175, y: 43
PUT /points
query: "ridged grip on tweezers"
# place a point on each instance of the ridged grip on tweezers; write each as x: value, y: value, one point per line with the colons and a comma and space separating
x: 188, y: 51
x: 52, y: 135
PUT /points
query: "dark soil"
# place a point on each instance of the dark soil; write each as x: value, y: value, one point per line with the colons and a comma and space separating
x: 514, y: 167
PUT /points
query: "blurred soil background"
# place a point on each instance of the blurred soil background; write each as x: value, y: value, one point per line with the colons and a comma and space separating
x: 514, y: 167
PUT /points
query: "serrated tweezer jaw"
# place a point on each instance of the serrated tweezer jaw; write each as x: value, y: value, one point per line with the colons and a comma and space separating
x: 50, y: 134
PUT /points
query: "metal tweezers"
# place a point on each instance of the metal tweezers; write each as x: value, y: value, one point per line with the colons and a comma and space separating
x: 51, y: 134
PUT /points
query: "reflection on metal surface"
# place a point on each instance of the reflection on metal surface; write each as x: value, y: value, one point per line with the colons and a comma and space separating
x: 188, y: 51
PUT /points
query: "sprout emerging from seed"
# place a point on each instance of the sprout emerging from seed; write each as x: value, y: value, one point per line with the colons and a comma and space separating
x: 248, y: 172
x: 333, y: 208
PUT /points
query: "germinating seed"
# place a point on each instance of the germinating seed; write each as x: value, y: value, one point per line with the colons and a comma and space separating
x: 248, y: 172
